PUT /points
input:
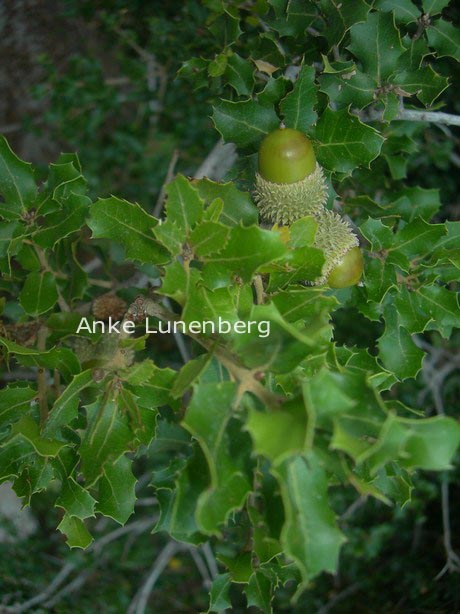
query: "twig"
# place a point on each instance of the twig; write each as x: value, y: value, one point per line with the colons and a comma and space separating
x: 103, y: 283
x: 134, y: 527
x: 145, y: 55
x: 56, y: 382
x: 313, y: 32
x: 169, y: 177
x: 139, y: 603
x: 218, y: 162
x: 413, y: 115
x: 359, y: 502
x: 69, y: 588
x: 247, y: 378
x: 153, y: 71
x: 17, y: 127
x: 138, y: 526
x: 23, y: 374
x: 178, y: 337
x: 339, y: 597
x: 259, y: 288
x: 41, y: 376
x: 434, y: 377
x: 453, y: 560
x: 146, y: 502
x: 92, y: 265
x: 204, y: 572
x: 52, y: 586
x: 210, y: 560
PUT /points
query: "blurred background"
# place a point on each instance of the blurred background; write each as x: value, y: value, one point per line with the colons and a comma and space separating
x: 100, y: 78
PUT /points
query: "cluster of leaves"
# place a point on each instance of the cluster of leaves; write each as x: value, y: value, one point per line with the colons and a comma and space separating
x: 275, y: 424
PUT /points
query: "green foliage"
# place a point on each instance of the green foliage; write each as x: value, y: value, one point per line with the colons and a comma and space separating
x: 259, y: 432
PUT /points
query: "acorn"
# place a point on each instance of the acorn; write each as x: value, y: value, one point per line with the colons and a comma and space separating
x: 343, y: 265
x: 289, y: 183
x: 109, y: 306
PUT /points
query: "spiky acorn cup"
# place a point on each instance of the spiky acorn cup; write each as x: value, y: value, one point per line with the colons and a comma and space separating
x: 290, y: 183
x: 344, y: 262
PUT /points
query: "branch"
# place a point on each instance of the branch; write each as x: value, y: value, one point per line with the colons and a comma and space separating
x: 259, y: 288
x: 351, y: 509
x: 178, y: 337
x: 453, y: 560
x: 435, y: 375
x: 40, y: 598
x: 41, y: 376
x: 138, y: 526
x: 49, y: 594
x: 69, y: 588
x: 330, y: 605
x: 219, y: 160
x: 248, y: 378
x: 169, y: 177
x: 139, y: 603
x: 210, y: 559
x: 203, y: 570
x: 413, y: 115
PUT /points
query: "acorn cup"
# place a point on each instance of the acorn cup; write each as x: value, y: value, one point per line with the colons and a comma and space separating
x: 290, y: 184
x: 343, y: 259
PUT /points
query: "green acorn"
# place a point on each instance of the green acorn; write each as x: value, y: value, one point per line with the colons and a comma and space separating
x: 290, y: 183
x: 344, y: 262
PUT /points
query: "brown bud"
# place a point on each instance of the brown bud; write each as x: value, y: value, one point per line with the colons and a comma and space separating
x: 109, y: 305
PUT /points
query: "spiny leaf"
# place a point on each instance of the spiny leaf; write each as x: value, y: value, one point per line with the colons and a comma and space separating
x: 76, y: 500
x: 184, y: 206
x: 65, y: 409
x: 239, y: 73
x: 298, y: 106
x: 310, y: 535
x: 344, y: 143
x: 208, y: 419
x: 17, y: 184
x: 247, y: 249
x: 75, y: 531
x: 397, y: 350
x: 116, y: 490
x: 238, y: 207
x: 244, y: 123
x: 445, y: 38
x: 340, y: 16
x: 28, y: 429
x: 14, y: 402
x: 377, y: 44
x: 107, y: 437
x: 39, y: 293
x: 404, y: 10
x: 128, y: 224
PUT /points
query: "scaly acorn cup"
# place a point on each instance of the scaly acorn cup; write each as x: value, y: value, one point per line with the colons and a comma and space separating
x: 290, y: 183
x: 344, y: 261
